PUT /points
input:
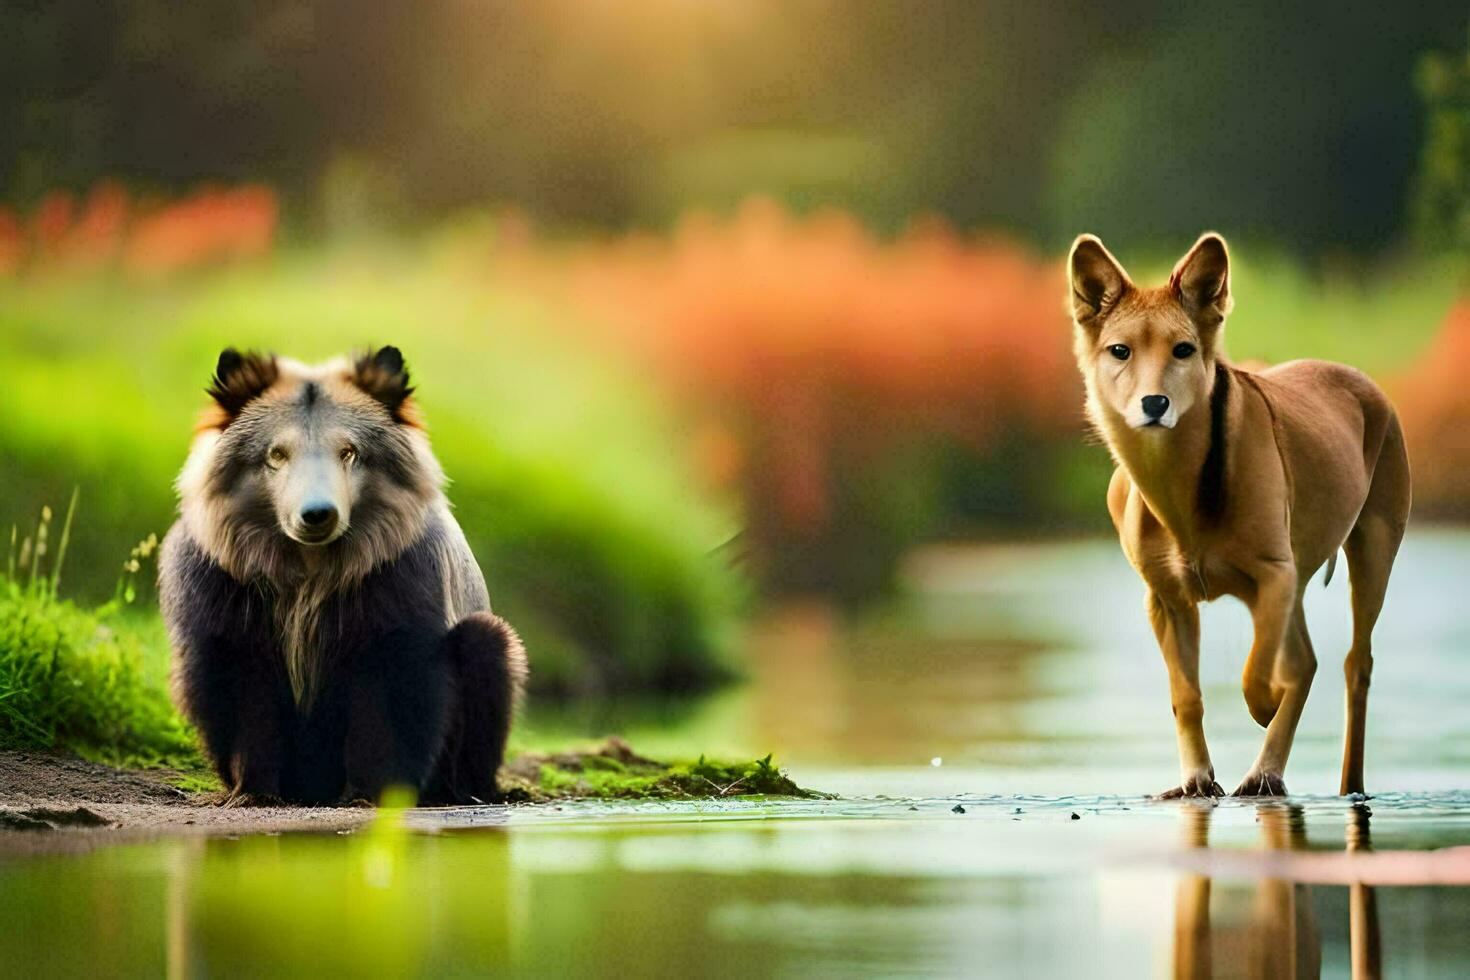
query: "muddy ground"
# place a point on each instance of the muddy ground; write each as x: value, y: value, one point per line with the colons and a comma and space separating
x: 51, y: 802
x: 54, y: 802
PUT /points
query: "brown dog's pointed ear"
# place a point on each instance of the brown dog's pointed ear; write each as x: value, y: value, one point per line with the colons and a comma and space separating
x: 383, y: 375
x: 238, y: 380
x: 1098, y: 280
x: 1201, y: 280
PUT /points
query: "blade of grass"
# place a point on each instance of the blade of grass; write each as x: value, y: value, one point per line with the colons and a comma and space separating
x: 25, y: 556
x: 71, y: 509
x: 38, y: 551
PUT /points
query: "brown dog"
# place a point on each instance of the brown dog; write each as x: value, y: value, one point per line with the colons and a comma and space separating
x: 1236, y: 483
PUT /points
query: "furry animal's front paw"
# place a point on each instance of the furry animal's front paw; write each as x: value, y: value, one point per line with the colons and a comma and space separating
x: 1196, y: 785
x: 240, y: 798
x: 355, y: 797
x: 1261, y: 783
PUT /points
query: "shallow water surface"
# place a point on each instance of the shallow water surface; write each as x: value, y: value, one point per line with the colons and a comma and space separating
x: 992, y: 742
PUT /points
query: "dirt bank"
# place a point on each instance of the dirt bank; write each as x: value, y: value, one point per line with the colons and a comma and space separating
x: 52, y: 802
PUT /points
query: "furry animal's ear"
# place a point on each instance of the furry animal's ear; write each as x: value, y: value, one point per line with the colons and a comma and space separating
x: 1098, y: 280
x: 383, y: 375
x: 238, y: 380
x: 1201, y: 280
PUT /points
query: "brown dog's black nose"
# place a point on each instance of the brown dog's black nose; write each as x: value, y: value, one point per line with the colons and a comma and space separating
x: 1154, y: 406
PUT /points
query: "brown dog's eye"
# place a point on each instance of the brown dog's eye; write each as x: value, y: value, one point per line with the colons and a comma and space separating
x: 276, y: 456
x: 1120, y: 351
x: 1183, y: 350
x: 349, y: 455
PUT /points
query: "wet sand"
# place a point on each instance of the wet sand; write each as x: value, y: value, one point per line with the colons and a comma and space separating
x: 54, y: 803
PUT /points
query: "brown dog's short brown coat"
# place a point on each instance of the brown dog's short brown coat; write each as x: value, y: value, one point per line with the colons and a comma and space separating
x: 1231, y: 482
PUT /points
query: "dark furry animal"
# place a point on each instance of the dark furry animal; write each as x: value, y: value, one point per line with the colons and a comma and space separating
x: 332, y: 633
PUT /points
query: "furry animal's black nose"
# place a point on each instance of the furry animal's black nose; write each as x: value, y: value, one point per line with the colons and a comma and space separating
x: 1154, y: 406
x: 319, y: 517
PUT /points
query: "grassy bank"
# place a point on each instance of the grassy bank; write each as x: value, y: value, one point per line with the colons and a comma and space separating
x: 92, y: 682
x: 565, y: 476
x: 89, y: 681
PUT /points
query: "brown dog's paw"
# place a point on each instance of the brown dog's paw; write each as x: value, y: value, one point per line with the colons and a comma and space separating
x: 1261, y: 784
x: 1201, y: 786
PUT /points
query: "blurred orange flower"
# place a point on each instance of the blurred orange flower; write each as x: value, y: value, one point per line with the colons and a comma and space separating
x: 209, y: 226
x: 1434, y: 405
x: 110, y: 230
x: 830, y: 352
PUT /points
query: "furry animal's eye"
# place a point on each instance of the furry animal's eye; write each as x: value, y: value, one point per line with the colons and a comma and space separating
x: 1120, y: 351
x: 349, y: 455
x: 276, y: 456
x: 1183, y: 350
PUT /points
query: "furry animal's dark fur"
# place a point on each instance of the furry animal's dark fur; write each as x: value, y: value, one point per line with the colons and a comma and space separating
x: 326, y: 672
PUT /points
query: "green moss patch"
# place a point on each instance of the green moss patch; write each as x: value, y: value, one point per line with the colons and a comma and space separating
x: 613, y: 771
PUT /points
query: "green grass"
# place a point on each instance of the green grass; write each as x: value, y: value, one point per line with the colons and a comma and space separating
x: 70, y: 680
x: 82, y: 680
x: 595, y: 540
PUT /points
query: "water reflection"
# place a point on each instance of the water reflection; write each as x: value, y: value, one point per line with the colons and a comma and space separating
x: 1280, y: 938
x: 1135, y: 890
x: 1365, y: 942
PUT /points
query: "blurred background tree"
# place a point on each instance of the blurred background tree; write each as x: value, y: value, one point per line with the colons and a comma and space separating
x: 1140, y: 119
x: 705, y: 295
x: 1443, y: 203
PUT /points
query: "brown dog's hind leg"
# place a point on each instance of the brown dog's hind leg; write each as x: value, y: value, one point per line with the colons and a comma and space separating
x: 1176, y: 624
x: 1370, y: 552
x: 1371, y: 549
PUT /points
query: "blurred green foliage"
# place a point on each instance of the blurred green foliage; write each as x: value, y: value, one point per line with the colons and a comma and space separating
x: 1443, y: 202
x: 1378, y: 316
x: 593, y: 539
x: 1145, y: 118
x: 1289, y: 123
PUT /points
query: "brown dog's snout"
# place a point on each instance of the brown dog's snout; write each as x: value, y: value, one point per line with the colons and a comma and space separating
x: 1154, y: 406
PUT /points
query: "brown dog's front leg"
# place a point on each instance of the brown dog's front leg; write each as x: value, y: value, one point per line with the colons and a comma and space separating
x: 1276, y: 596
x: 1280, y: 625
x: 1176, y: 624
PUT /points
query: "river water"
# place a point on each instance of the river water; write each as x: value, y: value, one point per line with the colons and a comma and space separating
x: 991, y: 741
